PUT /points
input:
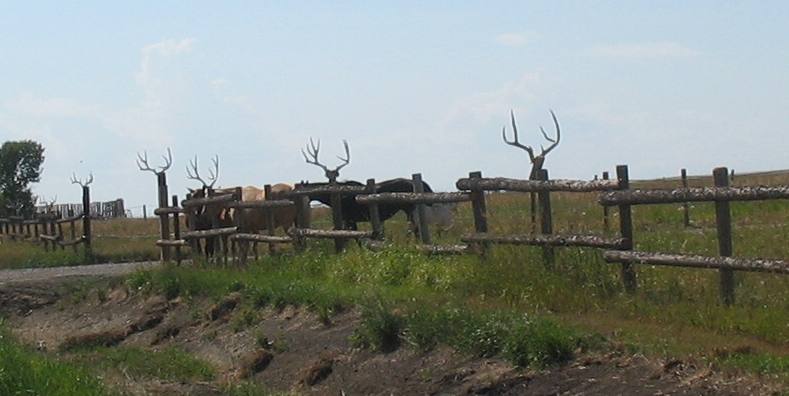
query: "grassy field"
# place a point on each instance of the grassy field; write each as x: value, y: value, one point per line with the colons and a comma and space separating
x: 117, y: 240
x: 509, y: 304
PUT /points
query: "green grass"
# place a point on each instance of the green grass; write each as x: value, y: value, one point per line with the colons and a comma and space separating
x: 116, y: 240
x: 26, y: 372
x: 169, y: 364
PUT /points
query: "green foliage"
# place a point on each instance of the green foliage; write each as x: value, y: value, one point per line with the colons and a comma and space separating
x: 26, y: 372
x: 170, y: 364
x: 379, y: 329
x: 538, y: 343
x: 20, y: 165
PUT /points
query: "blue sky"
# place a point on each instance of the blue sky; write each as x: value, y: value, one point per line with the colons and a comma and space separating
x: 414, y: 87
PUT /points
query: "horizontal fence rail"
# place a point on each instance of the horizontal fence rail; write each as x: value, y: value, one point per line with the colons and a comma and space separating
x: 260, y: 204
x: 327, y: 189
x: 694, y: 261
x: 414, y: 198
x: 261, y: 238
x: 548, y: 240
x: 209, y: 233
x: 329, y: 234
x: 693, y: 194
x: 219, y: 199
x: 518, y: 185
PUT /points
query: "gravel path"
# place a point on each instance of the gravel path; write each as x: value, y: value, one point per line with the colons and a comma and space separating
x: 39, y: 274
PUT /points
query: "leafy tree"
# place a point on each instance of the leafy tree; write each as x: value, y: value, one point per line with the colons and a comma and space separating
x: 20, y: 165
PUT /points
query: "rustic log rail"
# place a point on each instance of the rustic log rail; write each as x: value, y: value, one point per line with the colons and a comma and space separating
x: 518, y: 185
x: 197, y: 202
x: 695, y: 261
x: 260, y: 204
x: 548, y: 240
x: 326, y: 189
x: 693, y: 194
x: 214, y: 232
x: 329, y: 234
x: 414, y: 198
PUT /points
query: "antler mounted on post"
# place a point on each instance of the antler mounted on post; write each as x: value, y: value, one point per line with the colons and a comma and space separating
x: 537, y: 161
x: 332, y: 174
x: 213, y: 174
x: 313, y: 149
x: 82, y: 183
x: 142, y: 162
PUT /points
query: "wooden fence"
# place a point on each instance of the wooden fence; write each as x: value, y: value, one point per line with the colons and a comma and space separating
x: 612, y: 193
x: 47, y: 228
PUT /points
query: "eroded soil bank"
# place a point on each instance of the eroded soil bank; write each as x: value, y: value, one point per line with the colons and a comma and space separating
x: 293, y: 351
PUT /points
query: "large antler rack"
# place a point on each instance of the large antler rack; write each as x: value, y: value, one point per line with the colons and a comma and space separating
x: 213, y: 173
x: 142, y: 162
x: 83, y: 183
x: 544, y: 151
x: 312, y: 152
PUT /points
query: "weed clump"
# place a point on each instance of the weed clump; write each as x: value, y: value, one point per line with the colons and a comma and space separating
x: 380, y: 328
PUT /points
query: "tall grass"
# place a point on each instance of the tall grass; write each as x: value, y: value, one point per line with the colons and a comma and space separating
x: 26, y: 372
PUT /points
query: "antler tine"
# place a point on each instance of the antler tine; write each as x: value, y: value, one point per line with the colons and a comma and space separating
x: 347, y: 159
x: 554, y: 142
x: 515, y: 142
x: 168, y: 161
x: 196, y: 174
x: 142, y: 162
x: 313, y: 150
x: 85, y: 183
x: 213, y: 174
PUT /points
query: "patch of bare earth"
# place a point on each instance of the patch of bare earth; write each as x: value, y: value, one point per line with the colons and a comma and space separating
x: 290, y: 350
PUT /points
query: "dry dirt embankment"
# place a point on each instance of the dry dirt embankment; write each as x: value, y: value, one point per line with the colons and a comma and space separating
x: 293, y: 350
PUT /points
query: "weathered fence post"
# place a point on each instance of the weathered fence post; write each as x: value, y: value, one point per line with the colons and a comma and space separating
x: 479, y: 209
x: 725, y: 249
x: 375, y: 216
x: 685, y: 206
x: 606, y: 210
x: 241, y: 246
x: 626, y: 229
x: 269, y: 213
x: 53, y: 233
x: 86, y: 231
x: 164, y: 222
x: 73, y: 234
x: 194, y: 243
x: 546, y: 221
x: 176, y: 229
x: 336, y: 211
x: 302, y: 219
x: 60, y: 232
x: 421, y: 212
x: 144, y: 213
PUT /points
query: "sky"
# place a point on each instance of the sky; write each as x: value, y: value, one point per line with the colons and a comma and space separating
x: 413, y: 86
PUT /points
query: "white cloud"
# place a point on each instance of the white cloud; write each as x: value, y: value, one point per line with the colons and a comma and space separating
x: 484, y: 106
x: 168, y: 47
x: 218, y: 83
x: 512, y: 39
x: 655, y: 50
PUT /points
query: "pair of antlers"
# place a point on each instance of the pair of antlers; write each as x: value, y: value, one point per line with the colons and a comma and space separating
x: 193, y: 173
x: 83, y: 183
x: 516, y: 143
x: 142, y: 162
x: 213, y: 174
x: 313, y: 150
